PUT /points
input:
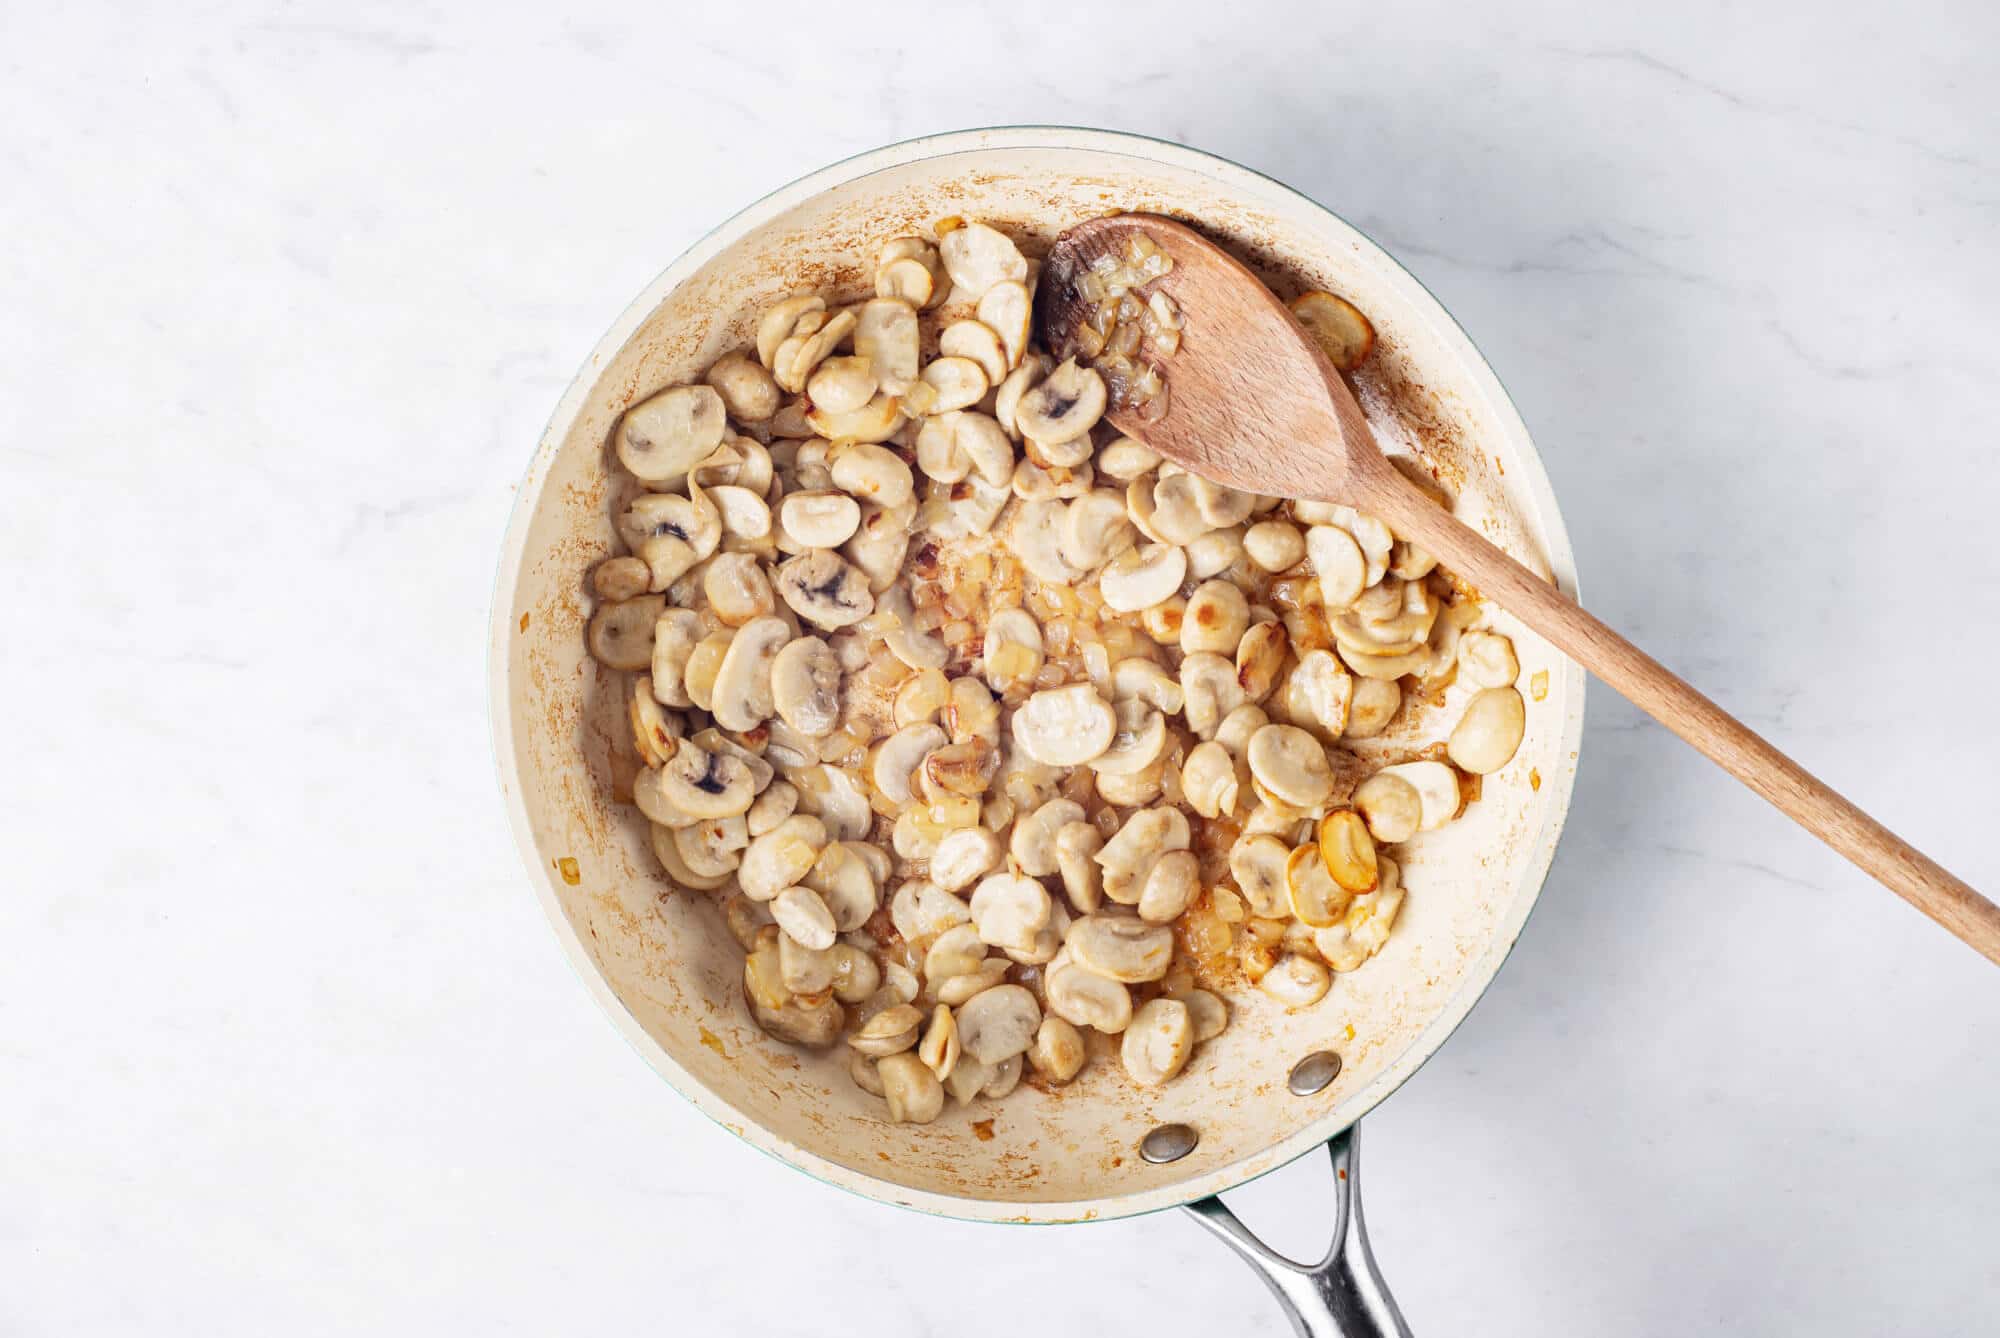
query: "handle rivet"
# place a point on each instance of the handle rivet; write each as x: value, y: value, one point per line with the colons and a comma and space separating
x: 1314, y: 1072
x: 1169, y: 1142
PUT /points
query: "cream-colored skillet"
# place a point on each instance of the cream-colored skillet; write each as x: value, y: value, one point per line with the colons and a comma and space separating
x: 1275, y: 1085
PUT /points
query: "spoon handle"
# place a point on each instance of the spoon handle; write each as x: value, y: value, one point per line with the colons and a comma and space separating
x: 1715, y: 733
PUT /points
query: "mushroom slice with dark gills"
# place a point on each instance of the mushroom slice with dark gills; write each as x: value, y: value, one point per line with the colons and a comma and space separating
x: 825, y: 589
x: 706, y: 784
x: 670, y: 533
x: 661, y: 438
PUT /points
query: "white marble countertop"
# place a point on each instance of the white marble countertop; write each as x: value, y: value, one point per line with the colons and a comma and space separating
x: 286, y: 296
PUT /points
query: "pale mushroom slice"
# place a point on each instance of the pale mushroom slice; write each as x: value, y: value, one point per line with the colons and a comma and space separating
x: 1257, y: 863
x: 938, y: 454
x: 1236, y: 729
x: 1006, y: 308
x: 819, y: 518
x: 1070, y: 455
x: 1176, y: 514
x: 1291, y: 764
x: 778, y: 323
x: 1296, y: 981
x: 996, y: 1025
x: 804, y: 917
x: 871, y: 473
x: 1436, y: 788
x: 736, y: 589
x: 670, y: 533
x: 655, y: 731
x: 1158, y: 1042
x: 1085, y: 998
x: 660, y: 439
x: 957, y: 951
x: 1337, y: 326
x: 1210, y: 691
x: 1137, y: 678
x: 940, y: 1048
x: 621, y: 632
x: 958, y: 383
x: 1033, y: 842
x: 1065, y: 727
x: 705, y: 784
x: 1312, y: 894
x: 968, y: 1079
x: 742, y: 698
x: 985, y: 445
x: 1209, y: 782
x: 880, y: 545
x: 1007, y: 395
x: 963, y: 857
x: 1391, y: 806
x: 977, y: 257
x: 747, y: 390
x: 810, y: 1021
x: 1126, y: 459
x: 1077, y: 844
x: 1142, y: 577
x: 778, y: 802
x: 1065, y: 405
x: 964, y: 769
x: 898, y: 757
x: 835, y: 795
x: 620, y: 578
x: 842, y: 385
x: 1034, y: 482
x: 1058, y: 1052
x: 1216, y: 618
x: 780, y: 857
x: 1260, y: 655
x: 1487, y: 659
x: 955, y: 990
x: 885, y: 333
x: 666, y: 849
x: 1338, y: 562
x: 825, y: 589
x: 704, y: 662
x: 1170, y: 887
x: 1009, y: 910
x: 1095, y: 530
x: 877, y: 420
x: 1139, y: 740
x: 922, y: 651
x: 805, y: 686
x: 1036, y: 538
x: 1274, y: 545
x: 1012, y: 652
x: 801, y: 353
x: 1128, y: 951
x: 1365, y: 927
x: 652, y: 801
x: 1206, y: 1011
x: 890, y: 1032
x: 921, y: 910
x: 1215, y: 553
x: 1375, y: 703
x: 913, y: 1092
x: 1318, y: 694
x: 906, y: 279
x: 1488, y: 734
x: 978, y: 343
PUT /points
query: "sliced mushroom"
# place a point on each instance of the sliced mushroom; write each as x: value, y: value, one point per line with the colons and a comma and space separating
x: 1216, y: 618
x: 742, y: 697
x: 1176, y: 515
x: 1209, y: 781
x: 706, y: 784
x: 872, y: 473
x: 1257, y: 863
x: 923, y: 910
x: 1338, y: 563
x: 1238, y: 727
x: 955, y: 990
x: 880, y: 545
x: 1058, y: 1052
x: 965, y: 769
x: 1157, y: 1044
x: 736, y: 588
x: 1005, y: 308
x: 704, y: 662
x: 805, y: 686
x: 1391, y: 806
x: 1259, y: 657
x: 1009, y: 910
x: 805, y: 919
x: 1365, y: 927
x: 667, y: 850
x: 620, y: 578
x: 1142, y: 578
x: 670, y: 533
x: 1162, y: 622
x: 713, y: 847
x: 834, y: 795
x: 986, y: 447
x: 1128, y: 951
x: 1136, y: 678
x: 914, y: 1094
x: 847, y: 883
x: 957, y: 951
x: 885, y: 333
x: 655, y: 732
x: 972, y: 713
x: 1206, y: 1011
x: 876, y: 420
x: 1012, y: 652
x: 813, y: 1022
x: 1348, y: 851
x: 907, y: 279
x: 1318, y: 694
x: 1488, y: 734
x: 659, y: 439
x: 780, y: 857
x: 842, y: 385
x: 1065, y: 405
x: 1337, y: 326
x: 1215, y: 553
x: 621, y: 632
x: 1210, y: 691
x: 804, y: 350
x: 825, y: 589
x: 1139, y: 740
x: 1034, y: 482
x: 958, y: 383
x: 1007, y: 397
x: 978, y: 343
x: 747, y: 390
x: 1126, y: 459
x: 1313, y: 895
x: 1085, y: 998
x: 1274, y: 545
x: 1296, y: 981
x: 1033, y: 844
x: 898, y: 757
x: 977, y: 257
x: 891, y: 1031
x: 963, y: 857
x: 1291, y: 764
x: 1065, y: 727
x: 1077, y: 844
x: 1036, y: 535
x: 1170, y: 887
x: 1376, y: 701
x: 1437, y: 791
x: 819, y: 519
x: 778, y: 801
x: 938, y: 453
x: 997, y: 1024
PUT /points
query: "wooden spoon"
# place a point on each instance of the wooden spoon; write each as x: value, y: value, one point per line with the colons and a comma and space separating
x: 1252, y: 402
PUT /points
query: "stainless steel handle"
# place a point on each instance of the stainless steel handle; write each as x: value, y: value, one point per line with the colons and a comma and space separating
x: 1341, y: 1296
